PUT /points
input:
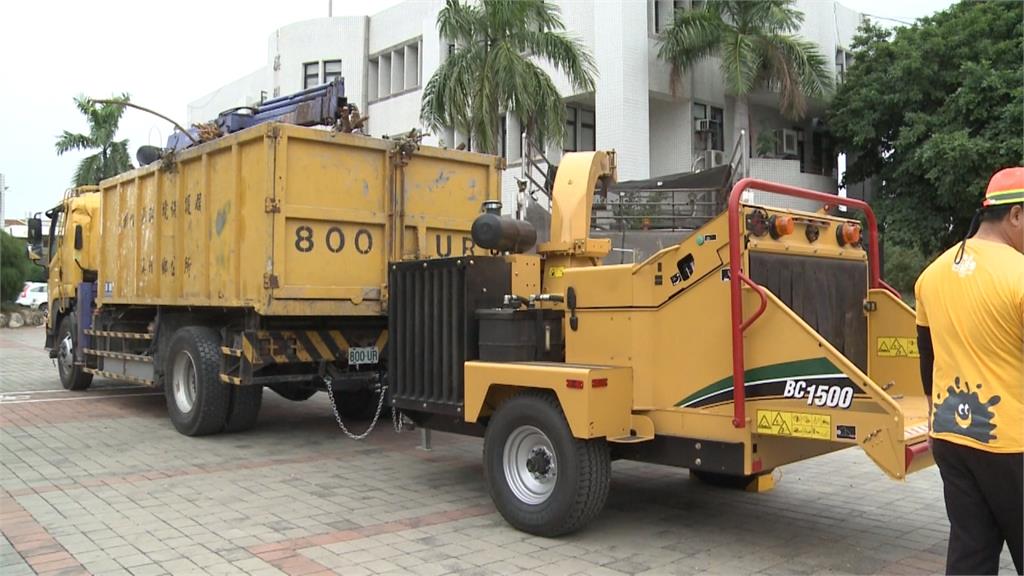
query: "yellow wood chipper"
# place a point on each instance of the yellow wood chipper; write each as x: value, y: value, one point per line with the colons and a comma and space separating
x: 765, y: 338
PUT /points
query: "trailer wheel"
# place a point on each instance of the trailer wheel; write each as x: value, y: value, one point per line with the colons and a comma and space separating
x: 72, y: 377
x: 542, y: 480
x: 245, y: 407
x: 197, y: 400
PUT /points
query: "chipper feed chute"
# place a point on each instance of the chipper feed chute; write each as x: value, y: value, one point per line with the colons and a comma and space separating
x: 827, y: 351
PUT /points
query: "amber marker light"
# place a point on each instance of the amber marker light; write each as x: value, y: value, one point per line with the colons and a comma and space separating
x: 780, y: 226
x: 848, y: 234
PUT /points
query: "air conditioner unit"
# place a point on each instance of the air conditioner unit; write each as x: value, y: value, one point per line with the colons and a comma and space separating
x: 703, y: 125
x: 786, y: 142
x: 715, y: 158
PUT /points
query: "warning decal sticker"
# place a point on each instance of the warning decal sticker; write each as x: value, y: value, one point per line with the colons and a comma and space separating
x: 894, y: 347
x: 794, y: 424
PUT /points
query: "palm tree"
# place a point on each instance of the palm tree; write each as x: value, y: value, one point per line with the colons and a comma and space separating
x: 112, y: 158
x: 756, y: 42
x: 492, y: 69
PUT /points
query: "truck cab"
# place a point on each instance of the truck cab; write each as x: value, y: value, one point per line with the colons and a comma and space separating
x: 70, y: 253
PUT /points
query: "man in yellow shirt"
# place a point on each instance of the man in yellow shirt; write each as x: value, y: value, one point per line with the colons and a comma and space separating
x: 970, y: 324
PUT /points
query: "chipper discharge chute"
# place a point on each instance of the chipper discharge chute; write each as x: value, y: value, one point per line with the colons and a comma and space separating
x: 764, y: 338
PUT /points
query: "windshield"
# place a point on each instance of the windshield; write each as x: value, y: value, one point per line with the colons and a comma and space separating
x: 56, y: 229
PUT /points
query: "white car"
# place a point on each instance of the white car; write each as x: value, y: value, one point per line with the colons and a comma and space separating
x: 33, y: 295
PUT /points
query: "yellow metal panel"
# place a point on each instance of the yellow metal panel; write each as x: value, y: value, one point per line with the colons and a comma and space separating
x: 892, y: 352
x: 525, y: 274
x: 283, y: 219
x: 592, y: 412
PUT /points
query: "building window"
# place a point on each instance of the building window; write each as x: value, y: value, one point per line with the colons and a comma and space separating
x: 588, y: 134
x: 717, y: 128
x: 394, y: 71
x: 503, y: 136
x: 843, y: 61
x: 708, y: 123
x: 580, y: 129
x: 570, y: 129
x: 332, y: 70
x: 310, y: 74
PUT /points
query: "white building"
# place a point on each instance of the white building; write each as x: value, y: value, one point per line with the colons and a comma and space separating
x: 386, y: 59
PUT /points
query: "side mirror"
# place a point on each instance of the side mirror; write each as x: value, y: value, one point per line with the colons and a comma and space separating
x: 35, y: 230
x: 79, y: 241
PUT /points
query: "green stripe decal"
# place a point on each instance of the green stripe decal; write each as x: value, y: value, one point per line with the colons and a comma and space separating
x: 795, y: 369
x: 1011, y: 196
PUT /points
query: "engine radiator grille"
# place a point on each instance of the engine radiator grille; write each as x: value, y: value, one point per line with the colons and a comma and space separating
x: 432, y: 327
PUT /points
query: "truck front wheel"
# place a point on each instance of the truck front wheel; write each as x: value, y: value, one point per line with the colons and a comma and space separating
x: 543, y: 480
x: 197, y: 400
x: 72, y: 376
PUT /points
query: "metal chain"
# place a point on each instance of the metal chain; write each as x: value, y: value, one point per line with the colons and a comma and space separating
x: 337, y: 416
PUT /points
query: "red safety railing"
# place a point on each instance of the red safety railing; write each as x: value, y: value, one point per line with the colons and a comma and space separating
x: 736, y: 275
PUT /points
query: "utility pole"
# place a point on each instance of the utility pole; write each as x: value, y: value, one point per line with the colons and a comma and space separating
x: 330, y: 8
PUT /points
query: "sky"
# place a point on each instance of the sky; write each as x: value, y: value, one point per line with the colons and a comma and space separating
x: 164, y: 54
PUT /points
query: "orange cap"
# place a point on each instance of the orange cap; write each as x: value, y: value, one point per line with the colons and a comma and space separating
x: 1005, y: 187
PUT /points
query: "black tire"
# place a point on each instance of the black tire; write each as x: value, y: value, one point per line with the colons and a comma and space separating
x: 583, y: 468
x: 294, y: 392
x: 245, y: 407
x: 210, y: 398
x: 72, y: 376
x: 357, y: 405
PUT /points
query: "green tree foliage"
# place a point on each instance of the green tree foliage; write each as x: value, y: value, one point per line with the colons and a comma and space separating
x: 492, y: 69
x: 14, y: 267
x: 902, y: 267
x: 758, y: 48
x: 112, y: 157
x: 929, y: 112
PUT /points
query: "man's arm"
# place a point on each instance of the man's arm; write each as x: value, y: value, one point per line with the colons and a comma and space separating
x: 927, y: 359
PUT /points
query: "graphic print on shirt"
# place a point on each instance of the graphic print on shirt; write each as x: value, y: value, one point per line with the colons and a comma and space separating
x: 963, y: 413
x: 965, y: 267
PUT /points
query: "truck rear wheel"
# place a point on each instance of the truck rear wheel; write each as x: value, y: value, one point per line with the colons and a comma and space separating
x: 541, y: 479
x: 245, y: 408
x: 72, y: 376
x: 197, y: 400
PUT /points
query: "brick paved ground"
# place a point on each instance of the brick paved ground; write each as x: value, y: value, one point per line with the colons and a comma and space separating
x: 99, y: 482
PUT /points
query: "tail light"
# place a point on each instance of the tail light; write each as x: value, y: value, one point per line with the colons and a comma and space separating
x: 779, y: 226
x: 848, y: 234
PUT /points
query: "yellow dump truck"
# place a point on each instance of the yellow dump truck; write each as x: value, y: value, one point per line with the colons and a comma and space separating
x: 259, y: 258
x: 764, y: 338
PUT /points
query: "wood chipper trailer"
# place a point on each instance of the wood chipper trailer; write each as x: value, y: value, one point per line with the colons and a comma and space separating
x: 765, y: 338
x: 256, y: 259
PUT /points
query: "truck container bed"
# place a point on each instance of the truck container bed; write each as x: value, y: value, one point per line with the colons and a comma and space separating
x: 286, y: 220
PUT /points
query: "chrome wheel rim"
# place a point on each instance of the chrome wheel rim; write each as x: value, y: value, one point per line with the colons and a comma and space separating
x: 530, y: 465
x: 67, y: 354
x: 183, y: 381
